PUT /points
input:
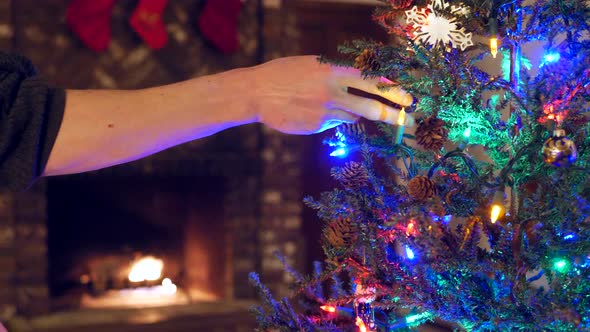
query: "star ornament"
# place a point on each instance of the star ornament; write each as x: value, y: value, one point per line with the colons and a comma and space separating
x: 433, y: 29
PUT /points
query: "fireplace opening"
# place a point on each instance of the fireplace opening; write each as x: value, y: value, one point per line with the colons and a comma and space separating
x: 137, y: 241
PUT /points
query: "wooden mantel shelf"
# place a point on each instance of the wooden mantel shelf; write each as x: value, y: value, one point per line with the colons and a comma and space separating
x: 205, y: 316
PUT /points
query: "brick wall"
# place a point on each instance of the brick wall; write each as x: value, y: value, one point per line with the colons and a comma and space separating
x: 263, y: 202
x: 281, y: 205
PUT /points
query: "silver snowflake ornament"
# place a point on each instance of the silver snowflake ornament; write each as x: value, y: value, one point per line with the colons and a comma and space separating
x: 434, y: 29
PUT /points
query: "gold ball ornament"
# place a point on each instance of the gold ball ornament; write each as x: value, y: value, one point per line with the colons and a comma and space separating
x: 559, y: 150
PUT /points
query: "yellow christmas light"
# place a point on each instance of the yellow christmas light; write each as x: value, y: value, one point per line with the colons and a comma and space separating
x: 401, y: 122
x: 497, y: 210
x: 494, y: 46
x: 494, y: 37
x: 362, y: 327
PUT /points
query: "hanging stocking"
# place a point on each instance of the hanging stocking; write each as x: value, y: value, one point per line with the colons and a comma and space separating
x: 218, y: 23
x: 147, y: 21
x: 90, y: 21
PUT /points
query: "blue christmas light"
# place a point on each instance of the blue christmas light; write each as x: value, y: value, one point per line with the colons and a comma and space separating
x: 569, y: 237
x: 410, y: 253
x: 550, y: 57
x: 340, y: 152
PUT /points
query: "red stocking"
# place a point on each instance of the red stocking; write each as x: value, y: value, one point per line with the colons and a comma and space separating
x: 218, y: 23
x: 146, y: 20
x: 90, y: 21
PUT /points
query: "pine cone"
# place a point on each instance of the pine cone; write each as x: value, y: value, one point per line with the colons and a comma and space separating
x: 431, y: 133
x: 354, y: 131
x: 340, y: 233
x: 421, y: 188
x: 352, y: 176
x: 367, y: 61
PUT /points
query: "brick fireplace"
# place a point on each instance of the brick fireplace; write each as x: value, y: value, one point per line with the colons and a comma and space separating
x: 235, y: 196
x: 213, y: 217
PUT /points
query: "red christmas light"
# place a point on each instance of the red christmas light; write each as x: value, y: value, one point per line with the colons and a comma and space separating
x: 328, y: 308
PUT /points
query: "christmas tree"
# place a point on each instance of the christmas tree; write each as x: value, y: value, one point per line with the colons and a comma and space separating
x: 422, y: 224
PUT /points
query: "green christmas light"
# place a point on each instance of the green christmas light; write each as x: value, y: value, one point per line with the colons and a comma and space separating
x: 561, y: 265
x: 467, y: 132
x: 418, y: 318
x: 465, y: 140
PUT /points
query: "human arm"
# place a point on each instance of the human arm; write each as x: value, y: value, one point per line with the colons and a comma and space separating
x: 295, y: 95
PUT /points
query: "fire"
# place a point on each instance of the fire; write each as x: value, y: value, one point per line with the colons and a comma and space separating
x: 146, y: 269
x: 168, y: 287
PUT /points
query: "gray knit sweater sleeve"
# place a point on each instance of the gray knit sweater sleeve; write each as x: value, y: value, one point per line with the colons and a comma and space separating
x: 30, y: 116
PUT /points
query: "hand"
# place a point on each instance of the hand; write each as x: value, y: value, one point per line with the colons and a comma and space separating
x: 2, y: 328
x: 299, y: 95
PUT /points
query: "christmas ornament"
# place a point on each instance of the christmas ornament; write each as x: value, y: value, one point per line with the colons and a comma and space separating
x: 431, y: 133
x: 218, y: 23
x: 559, y: 150
x: 367, y: 61
x: 352, y: 176
x: 90, y: 21
x: 421, y: 188
x: 432, y: 28
x: 146, y: 20
x: 363, y: 308
x: 340, y: 233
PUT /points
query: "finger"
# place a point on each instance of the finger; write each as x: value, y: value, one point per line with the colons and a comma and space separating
x: 395, y: 94
x: 373, y: 110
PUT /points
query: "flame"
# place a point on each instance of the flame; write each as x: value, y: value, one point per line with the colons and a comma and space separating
x: 168, y: 287
x: 146, y: 269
